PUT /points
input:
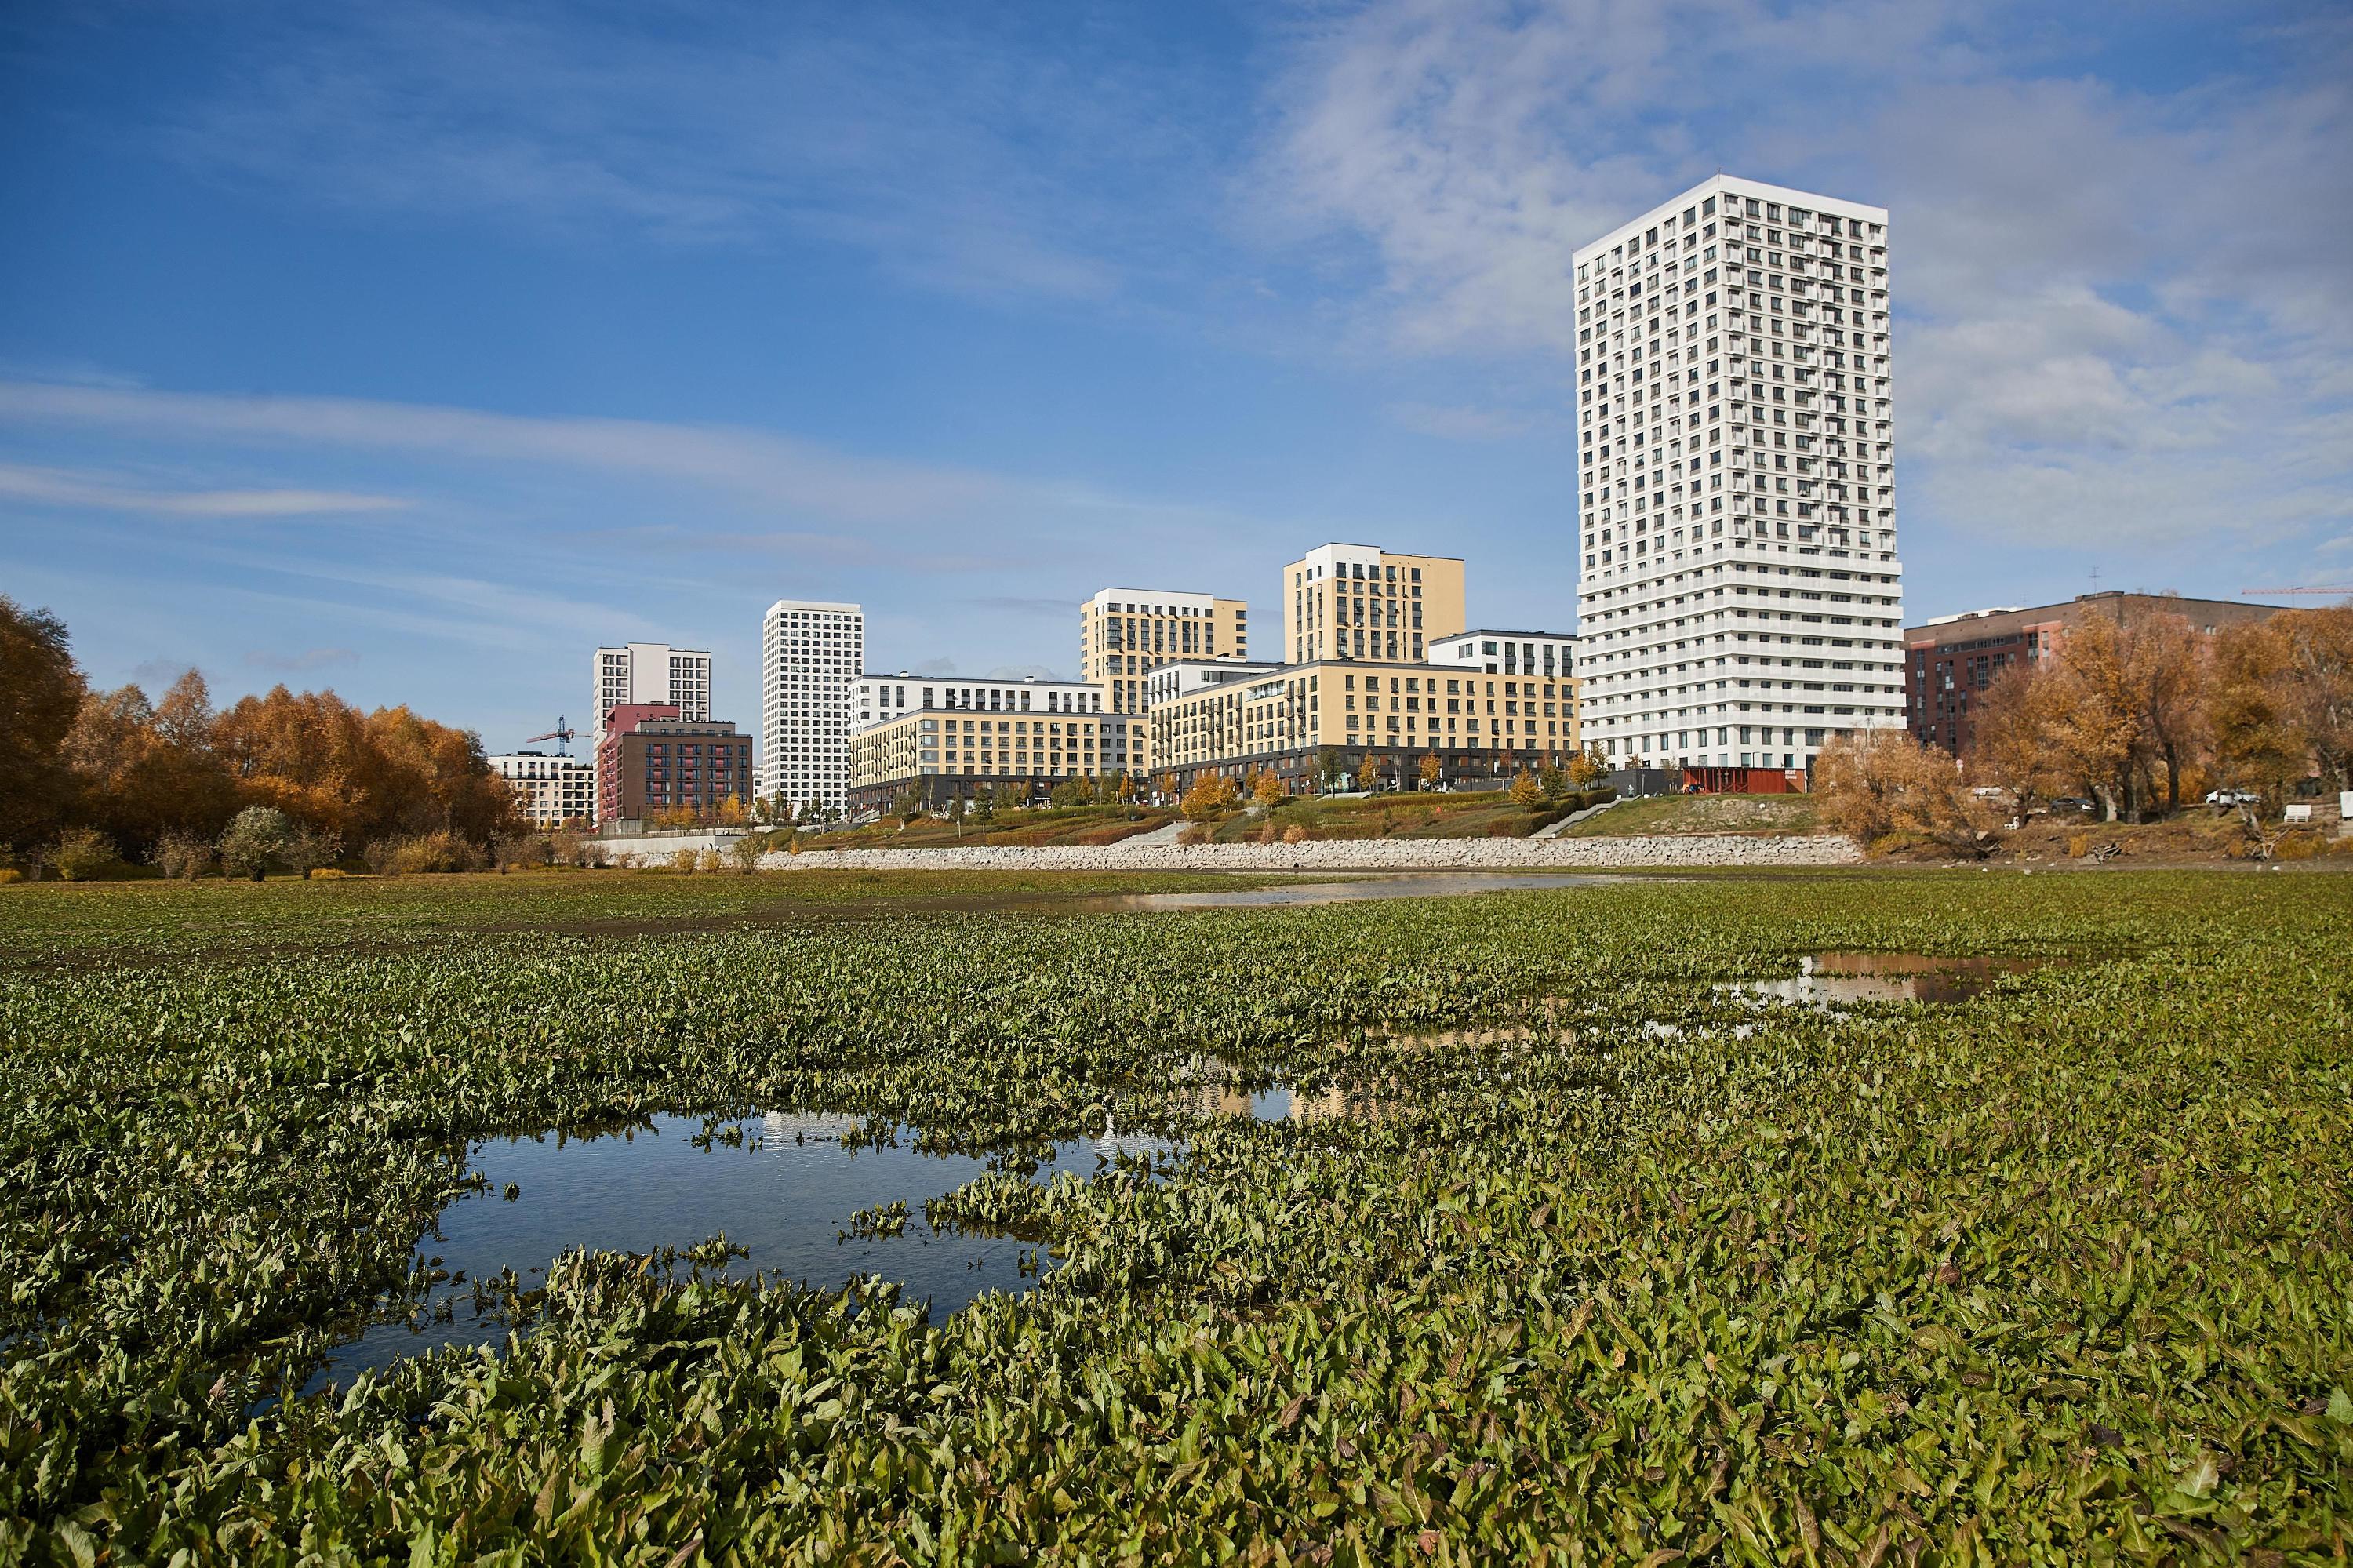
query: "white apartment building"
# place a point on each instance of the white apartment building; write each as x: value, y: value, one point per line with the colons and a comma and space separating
x: 1492, y: 651
x: 551, y: 791
x: 647, y: 673
x: 811, y: 651
x: 650, y: 672
x: 876, y: 698
x: 1740, y: 601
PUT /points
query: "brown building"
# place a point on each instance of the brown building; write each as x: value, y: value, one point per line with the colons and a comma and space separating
x: 650, y: 760
x: 1949, y: 661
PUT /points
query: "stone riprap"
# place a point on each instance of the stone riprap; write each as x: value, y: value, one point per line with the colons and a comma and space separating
x: 1356, y: 854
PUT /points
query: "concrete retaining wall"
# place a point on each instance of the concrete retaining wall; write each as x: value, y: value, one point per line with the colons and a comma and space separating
x: 1372, y: 854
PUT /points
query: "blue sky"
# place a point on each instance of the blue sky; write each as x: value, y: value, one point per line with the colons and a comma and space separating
x: 417, y: 349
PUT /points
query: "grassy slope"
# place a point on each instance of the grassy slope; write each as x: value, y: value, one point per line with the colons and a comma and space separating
x: 1701, y: 814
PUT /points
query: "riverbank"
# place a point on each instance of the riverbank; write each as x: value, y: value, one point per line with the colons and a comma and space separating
x: 1353, y: 854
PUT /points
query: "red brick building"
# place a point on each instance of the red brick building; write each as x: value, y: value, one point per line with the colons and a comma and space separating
x: 1949, y: 661
x: 650, y: 760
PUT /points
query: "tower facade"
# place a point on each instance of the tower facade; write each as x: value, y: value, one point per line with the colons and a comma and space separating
x: 811, y: 651
x: 1740, y: 598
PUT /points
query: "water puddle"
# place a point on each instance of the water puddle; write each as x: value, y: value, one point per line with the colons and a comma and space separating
x: 785, y: 1188
x: 1300, y: 894
x: 1839, y: 980
x: 1282, y: 1103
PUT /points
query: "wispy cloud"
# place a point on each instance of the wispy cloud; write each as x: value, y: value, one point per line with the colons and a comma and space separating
x: 2145, y: 336
x: 960, y: 149
x: 772, y: 469
x: 1459, y: 424
x: 303, y: 663
x: 58, y: 487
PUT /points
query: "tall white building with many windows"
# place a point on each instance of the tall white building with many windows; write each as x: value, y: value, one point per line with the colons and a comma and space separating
x: 1740, y: 601
x: 648, y: 671
x: 811, y: 651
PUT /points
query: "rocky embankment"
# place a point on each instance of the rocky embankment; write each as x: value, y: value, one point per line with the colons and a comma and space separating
x: 1361, y: 854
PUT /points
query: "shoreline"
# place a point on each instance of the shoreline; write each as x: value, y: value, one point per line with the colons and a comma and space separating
x: 1351, y: 854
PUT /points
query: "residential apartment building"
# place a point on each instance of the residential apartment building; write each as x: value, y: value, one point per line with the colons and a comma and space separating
x: 1740, y: 599
x: 1303, y: 721
x: 1356, y: 601
x: 1125, y: 635
x: 1951, y: 659
x: 650, y: 760
x: 643, y: 672
x: 1497, y: 651
x: 550, y: 791
x: 958, y: 737
x: 811, y: 651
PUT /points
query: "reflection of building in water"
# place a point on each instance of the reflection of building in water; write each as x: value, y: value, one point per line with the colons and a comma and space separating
x: 1830, y: 980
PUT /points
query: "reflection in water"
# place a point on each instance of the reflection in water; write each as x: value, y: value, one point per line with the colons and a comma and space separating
x: 785, y: 1191
x: 1409, y: 885
x: 1831, y: 979
x: 1284, y: 1103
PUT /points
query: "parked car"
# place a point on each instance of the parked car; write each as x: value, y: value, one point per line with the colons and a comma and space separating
x: 2233, y: 798
x: 2074, y: 803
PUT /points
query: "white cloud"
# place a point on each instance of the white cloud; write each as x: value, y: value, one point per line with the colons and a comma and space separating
x: 57, y: 487
x: 2123, y: 315
x: 772, y: 469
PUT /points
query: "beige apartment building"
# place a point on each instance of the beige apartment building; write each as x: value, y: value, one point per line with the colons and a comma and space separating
x: 1354, y: 601
x: 948, y: 753
x: 1328, y: 715
x: 1125, y: 635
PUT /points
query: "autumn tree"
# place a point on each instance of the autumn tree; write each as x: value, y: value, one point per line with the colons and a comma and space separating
x: 1430, y: 769
x: 1210, y: 793
x: 2320, y: 687
x: 1585, y: 768
x: 41, y: 695
x: 1883, y: 786
x: 2011, y: 746
x: 2257, y: 742
x: 1527, y: 793
x: 1267, y: 791
x: 1368, y: 777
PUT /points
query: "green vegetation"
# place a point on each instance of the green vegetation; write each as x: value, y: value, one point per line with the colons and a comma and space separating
x: 2063, y: 1274
x: 1490, y: 813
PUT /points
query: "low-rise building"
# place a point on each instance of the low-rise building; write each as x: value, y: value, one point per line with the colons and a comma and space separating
x: 550, y: 790
x: 1307, y: 722
x: 1492, y: 651
x: 1951, y: 659
x: 648, y: 759
x: 947, y: 753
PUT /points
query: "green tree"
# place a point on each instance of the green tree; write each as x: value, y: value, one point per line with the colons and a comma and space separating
x: 1555, y: 782
x: 256, y: 837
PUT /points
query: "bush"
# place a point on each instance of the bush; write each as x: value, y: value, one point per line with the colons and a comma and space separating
x: 685, y: 860
x: 184, y: 857
x: 1296, y: 833
x: 1884, y: 789
x: 422, y: 855
x: 256, y: 837
x: 83, y: 855
x: 328, y: 873
x: 745, y: 853
x: 1193, y: 833
x: 710, y: 860
x: 2079, y: 845
x: 308, y: 849
x: 9, y: 873
x: 512, y: 850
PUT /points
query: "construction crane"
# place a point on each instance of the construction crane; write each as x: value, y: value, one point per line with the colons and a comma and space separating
x: 562, y: 734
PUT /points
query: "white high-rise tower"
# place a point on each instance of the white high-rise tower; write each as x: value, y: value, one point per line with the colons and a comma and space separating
x: 650, y: 672
x: 1740, y: 599
x: 810, y: 653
